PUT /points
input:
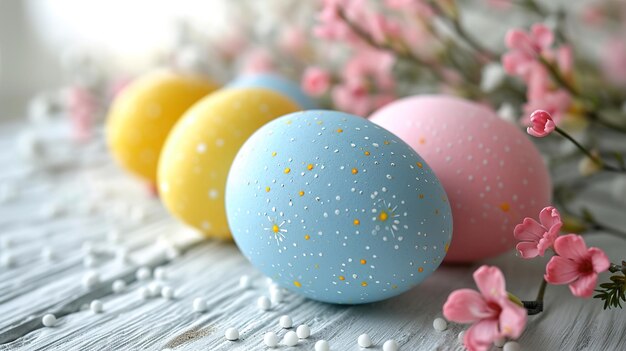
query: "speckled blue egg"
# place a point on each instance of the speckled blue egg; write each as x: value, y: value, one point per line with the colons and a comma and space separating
x: 336, y: 208
x: 276, y: 83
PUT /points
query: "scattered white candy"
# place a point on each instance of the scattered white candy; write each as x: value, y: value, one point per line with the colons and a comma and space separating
x: 96, y: 306
x: 390, y: 345
x: 269, y: 281
x: 160, y: 273
x: 118, y: 286
x: 322, y: 345
x: 244, y: 282
x: 290, y: 339
x: 364, y: 341
x: 143, y: 274
x: 144, y: 293
x: 303, y: 331
x: 270, y: 339
x: 263, y: 303
x: 199, y: 304
x: 231, y: 334
x: 91, y: 279
x: 440, y: 324
x: 461, y: 336
x: 499, y: 342
x: 276, y: 296
x: 512, y: 346
x: 49, y: 320
x: 172, y: 252
x: 285, y: 322
x: 7, y: 260
x: 89, y: 261
x: 154, y: 288
x: 47, y: 253
x: 167, y: 292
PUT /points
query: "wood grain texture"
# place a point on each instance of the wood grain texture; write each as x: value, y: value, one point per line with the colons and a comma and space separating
x: 95, y: 197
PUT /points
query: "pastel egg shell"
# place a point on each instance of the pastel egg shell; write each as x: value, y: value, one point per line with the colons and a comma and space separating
x: 276, y: 83
x: 142, y: 115
x: 201, y: 147
x: 337, y: 209
x: 492, y: 173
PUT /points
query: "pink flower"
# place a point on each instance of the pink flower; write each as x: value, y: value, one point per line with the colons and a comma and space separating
x: 536, y: 238
x: 524, y: 49
x: 315, y: 81
x: 353, y: 98
x: 576, y: 265
x: 293, y: 40
x: 541, y: 124
x: 614, y: 61
x: 258, y: 61
x: 556, y: 103
x: 490, y: 311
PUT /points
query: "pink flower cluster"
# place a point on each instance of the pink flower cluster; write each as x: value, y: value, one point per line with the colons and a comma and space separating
x: 573, y: 263
x: 526, y: 51
x: 489, y: 309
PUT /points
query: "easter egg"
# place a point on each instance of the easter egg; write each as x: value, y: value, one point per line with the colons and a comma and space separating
x: 198, y: 153
x: 492, y: 173
x: 143, y: 114
x: 276, y: 83
x: 335, y: 208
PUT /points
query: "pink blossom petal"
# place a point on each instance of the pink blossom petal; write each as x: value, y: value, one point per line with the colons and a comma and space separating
x: 517, y: 39
x: 490, y: 282
x: 542, y: 35
x: 549, y: 217
x: 527, y: 249
x: 529, y: 230
x: 466, y: 306
x: 480, y: 336
x: 599, y: 260
x: 512, y: 319
x: 571, y: 246
x: 561, y: 270
x: 584, y: 286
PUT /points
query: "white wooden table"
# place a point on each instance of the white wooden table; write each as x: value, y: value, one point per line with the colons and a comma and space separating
x: 75, y: 195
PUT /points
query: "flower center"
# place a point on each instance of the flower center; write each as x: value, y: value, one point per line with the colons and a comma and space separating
x: 585, y: 267
x: 275, y: 228
x: 496, y: 308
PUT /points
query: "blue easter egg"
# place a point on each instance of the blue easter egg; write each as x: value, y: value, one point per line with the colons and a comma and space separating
x: 277, y: 83
x: 336, y: 208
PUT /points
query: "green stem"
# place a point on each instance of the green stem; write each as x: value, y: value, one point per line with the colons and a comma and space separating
x: 594, y: 158
x: 542, y: 291
x: 558, y: 77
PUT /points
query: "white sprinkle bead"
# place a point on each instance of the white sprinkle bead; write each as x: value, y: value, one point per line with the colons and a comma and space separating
x: 167, y: 292
x: 440, y: 324
x: 303, y: 331
x: 199, y: 304
x: 143, y: 274
x: 155, y: 289
x: 122, y: 256
x: 7, y: 260
x: 91, y: 279
x: 89, y: 261
x: 263, y: 303
x: 364, y: 341
x: 276, y: 296
x: 96, y: 306
x: 270, y: 339
x: 499, y: 342
x: 285, y: 322
x: 244, y: 282
x: 461, y: 336
x: 231, y: 334
x: 160, y: 273
x: 144, y: 292
x: 390, y: 345
x: 512, y: 346
x: 118, y: 286
x: 290, y: 339
x: 322, y: 345
x: 88, y: 248
x: 49, y: 320
x: 114, y: 236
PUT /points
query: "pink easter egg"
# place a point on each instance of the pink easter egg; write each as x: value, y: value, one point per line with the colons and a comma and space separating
x: 493, y: 174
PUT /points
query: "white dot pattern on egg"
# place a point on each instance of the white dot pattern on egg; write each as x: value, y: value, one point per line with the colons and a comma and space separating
x: 493, y: 174
x: 335, y: 208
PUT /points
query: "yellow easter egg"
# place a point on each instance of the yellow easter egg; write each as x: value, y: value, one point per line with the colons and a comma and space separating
x: 199, y: 151
x: 144, y: 113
